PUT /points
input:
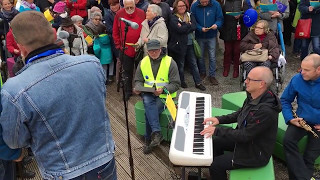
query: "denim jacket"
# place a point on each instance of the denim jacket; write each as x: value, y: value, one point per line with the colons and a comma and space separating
x: 56, y: 105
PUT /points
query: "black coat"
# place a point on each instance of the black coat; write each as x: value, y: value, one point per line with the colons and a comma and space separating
x: 255, y: 135
x: 179, y: 35
x: 314, y: 15
x: 228, y: 31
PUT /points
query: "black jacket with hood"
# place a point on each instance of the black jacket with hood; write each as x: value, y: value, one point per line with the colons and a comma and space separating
x: 255, y: 135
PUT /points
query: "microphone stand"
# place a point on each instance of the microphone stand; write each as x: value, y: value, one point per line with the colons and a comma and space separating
x: 123, y: 80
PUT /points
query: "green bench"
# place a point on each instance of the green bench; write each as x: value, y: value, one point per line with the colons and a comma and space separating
x: 261, y: 173
x: 234, y: 101
x: 165, y: 117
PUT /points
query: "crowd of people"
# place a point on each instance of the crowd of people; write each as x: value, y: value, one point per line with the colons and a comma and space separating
x: 79, y: 46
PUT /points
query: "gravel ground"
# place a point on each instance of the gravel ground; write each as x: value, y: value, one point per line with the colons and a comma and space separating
x: 229, y: 84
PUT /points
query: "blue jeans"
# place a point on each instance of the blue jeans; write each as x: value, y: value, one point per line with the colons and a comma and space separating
x: 105, y: 172
x: 153, y: 108
x: 297, y: 45
x: 7, y: 169
x: 305, y: 46
x: 211, y: 44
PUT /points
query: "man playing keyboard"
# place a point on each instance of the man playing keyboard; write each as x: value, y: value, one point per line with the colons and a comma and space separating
x: 252, y: 142
x: 155, y: 71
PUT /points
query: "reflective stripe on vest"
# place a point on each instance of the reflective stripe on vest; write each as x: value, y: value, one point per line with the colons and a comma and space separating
x: 162, y: 78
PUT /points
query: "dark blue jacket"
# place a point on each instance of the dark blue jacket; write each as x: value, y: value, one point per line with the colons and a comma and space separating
x: 314, y: 15
x: 206, y: 16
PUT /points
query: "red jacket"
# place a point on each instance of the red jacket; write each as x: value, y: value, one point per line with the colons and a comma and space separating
x: 11, y: 43
x: 78, y: 8
x: 133, y: 34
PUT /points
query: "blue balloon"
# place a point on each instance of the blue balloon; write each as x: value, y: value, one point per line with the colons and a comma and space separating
x: 250, y: 17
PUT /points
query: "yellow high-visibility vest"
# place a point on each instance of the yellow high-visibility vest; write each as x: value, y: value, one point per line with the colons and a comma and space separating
x: 162, y: 78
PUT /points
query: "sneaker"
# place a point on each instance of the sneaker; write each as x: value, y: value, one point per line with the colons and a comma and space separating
x: 213, y: 81
x: 201, y: 87
x: 146, y: 148
x: 202, y: 76
x: 156, y: 138
x: 184, y: 85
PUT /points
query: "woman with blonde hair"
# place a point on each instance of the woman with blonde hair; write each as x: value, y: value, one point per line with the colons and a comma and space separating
x: 260, y: 37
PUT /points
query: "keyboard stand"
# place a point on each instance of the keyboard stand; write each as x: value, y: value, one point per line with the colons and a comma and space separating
x: 183, y: 171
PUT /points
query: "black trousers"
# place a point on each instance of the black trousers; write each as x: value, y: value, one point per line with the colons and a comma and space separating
x: 221, y: 161
x: 300, y: 167
x: 128, y: 69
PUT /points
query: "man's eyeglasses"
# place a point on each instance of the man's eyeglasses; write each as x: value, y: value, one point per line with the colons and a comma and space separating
x: 97, y: 19
x: 129, y: 8
x: 256, y: 80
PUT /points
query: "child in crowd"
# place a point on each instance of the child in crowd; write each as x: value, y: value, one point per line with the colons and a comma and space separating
x: 28, y: 5
x: 59, y: 12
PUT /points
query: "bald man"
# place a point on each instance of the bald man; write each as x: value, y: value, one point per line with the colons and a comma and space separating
x: 252, y: 142
x: 305, y: 87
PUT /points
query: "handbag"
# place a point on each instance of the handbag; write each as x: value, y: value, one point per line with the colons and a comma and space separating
x: 303, y: 29
x: 254, y: 55
x: 196, y: 48
x: 139, y: 55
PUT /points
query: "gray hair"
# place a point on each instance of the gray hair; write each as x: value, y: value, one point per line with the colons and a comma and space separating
x: 125, y: 1
x: 266, y: 75
x: 76, y: 18
x: 96, y: 13
x: 155, y: 9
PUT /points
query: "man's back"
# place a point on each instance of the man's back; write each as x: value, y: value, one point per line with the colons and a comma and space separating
x: 57, y: 106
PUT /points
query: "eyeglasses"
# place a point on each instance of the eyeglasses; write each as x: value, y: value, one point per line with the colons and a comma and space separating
x: 259, y: 27
x: 129, y: 8
x: 181, y: 6
x: 97, y: 19
x: 255, y: 80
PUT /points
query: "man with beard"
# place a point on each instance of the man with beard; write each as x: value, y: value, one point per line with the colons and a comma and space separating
x: 129, y: 12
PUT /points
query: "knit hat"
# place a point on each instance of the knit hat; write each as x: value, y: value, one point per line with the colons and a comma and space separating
x: 66, y: 22
x: 59, y: 7
x: 153, y: 44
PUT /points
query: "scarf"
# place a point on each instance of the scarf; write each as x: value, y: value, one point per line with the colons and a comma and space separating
x: 150, y: 23
x: 28, y: 5
x: 184, y: 18
x: 9, y: 15
x: 96, y: 29
x: 262, y: 36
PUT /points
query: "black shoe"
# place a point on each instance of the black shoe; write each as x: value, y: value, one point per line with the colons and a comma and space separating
x: 156, y: 138
x: 127, y: 96
x: 201, y: 87
x: 27, y: 174
x: 27, y: 160
x: 184, y: 85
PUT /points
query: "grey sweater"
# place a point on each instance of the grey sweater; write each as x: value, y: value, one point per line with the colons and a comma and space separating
x: 174, y: 78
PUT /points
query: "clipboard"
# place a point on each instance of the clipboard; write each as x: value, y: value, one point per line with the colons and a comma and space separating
x: 146, y: 89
